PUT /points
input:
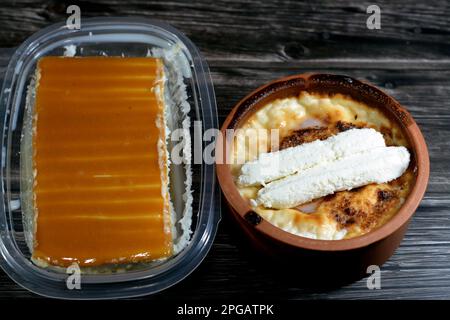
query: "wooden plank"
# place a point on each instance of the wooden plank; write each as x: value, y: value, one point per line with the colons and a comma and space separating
x: 248, y: 44
x: 268, y: 30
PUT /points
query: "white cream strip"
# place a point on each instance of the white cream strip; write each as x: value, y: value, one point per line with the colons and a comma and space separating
x: 378, y: 165
x: 275, y: 165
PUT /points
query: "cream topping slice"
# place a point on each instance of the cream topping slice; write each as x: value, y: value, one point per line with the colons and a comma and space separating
x: 378, y: 165
x: 279, y: 164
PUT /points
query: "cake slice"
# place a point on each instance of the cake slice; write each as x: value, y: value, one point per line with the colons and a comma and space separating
x: 100, y: 161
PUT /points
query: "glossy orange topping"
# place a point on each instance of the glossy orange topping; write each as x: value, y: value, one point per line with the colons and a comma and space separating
x: 97, y: 186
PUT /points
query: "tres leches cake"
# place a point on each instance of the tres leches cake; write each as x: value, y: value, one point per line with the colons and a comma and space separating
x: 100, y: 162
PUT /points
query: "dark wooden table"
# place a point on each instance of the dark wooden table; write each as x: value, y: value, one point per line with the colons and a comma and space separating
x: 248, y: 44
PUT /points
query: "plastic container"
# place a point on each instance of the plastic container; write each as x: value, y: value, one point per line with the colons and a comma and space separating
x: 112, y: 37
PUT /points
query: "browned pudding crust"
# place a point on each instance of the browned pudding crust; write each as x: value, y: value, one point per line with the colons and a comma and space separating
x: 306, y: 135
x: 363, y: 208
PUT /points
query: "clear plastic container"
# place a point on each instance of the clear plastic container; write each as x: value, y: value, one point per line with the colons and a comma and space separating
x: 129, y: 37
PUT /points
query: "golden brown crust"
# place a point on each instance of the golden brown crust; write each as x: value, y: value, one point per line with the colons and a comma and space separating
x: 306, y: 135
x: 363, y: 208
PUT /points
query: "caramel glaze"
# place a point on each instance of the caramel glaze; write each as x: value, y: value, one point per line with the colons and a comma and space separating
x: 99, y: 173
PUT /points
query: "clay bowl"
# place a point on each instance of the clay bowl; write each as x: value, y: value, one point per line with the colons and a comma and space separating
x: 349, y: 257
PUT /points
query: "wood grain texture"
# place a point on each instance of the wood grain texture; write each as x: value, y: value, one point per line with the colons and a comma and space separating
x: 249, y: 43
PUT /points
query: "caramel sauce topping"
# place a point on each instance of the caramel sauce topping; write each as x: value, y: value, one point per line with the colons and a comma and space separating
x: 99, y: 172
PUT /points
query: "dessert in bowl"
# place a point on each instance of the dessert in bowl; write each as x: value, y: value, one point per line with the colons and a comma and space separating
x: 323, y: 163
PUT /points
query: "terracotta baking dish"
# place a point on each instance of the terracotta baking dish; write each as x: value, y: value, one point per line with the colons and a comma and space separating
x: 350, y: 257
